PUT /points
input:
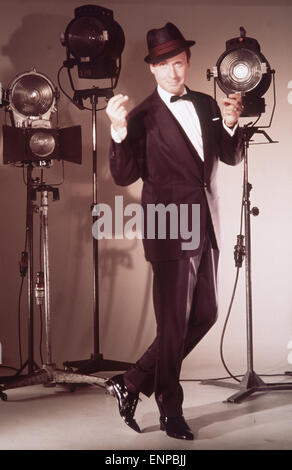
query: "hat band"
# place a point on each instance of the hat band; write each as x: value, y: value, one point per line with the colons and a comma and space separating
x: 166, y: 47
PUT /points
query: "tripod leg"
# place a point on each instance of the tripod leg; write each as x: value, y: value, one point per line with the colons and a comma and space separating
x: 240, y: 396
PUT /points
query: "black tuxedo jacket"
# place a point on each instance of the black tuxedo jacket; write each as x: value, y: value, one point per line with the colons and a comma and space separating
x: 157, y: 150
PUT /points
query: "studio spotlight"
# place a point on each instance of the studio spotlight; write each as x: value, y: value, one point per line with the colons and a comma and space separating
x: 32, y: 100
x: 243, y: 69
x: 32, y: 138
x: 94, y: 42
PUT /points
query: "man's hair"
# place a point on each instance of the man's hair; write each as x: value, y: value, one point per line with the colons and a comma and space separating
x: 188, y: 53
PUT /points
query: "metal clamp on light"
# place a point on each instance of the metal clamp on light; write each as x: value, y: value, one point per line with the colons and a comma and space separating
x: 243, y: 69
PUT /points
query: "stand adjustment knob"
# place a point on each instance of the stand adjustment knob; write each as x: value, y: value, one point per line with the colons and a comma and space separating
x: 255, y: 211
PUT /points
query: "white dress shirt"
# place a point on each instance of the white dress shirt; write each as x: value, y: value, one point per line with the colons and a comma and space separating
x: 184, y: 111
x: 186, y: 114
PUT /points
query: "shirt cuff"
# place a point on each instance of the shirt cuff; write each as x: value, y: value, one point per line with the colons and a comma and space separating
x: 118, y: 136
x: 230, y: 130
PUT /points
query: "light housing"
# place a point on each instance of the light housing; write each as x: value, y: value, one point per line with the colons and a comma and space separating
x: 32, y: 100
x: 94, y: 43
x: 41, y: 145
x: 243, y: 69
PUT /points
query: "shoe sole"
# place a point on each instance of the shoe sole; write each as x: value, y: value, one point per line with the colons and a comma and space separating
x: 175, y: 436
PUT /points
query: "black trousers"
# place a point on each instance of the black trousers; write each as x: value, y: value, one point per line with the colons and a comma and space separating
x: 185, y: 304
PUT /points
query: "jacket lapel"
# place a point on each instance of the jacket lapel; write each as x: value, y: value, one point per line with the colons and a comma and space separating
x: 174, y: 135
x: 202, y: 106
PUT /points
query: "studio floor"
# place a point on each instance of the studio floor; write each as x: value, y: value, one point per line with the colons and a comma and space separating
x: 40, y: 418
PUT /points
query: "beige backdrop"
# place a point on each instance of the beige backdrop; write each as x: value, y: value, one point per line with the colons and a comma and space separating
x: 29, y: 37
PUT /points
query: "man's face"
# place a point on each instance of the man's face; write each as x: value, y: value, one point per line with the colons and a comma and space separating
x: 171, y: 73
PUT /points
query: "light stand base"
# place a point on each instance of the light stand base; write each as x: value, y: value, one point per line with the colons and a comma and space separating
x: 50, y: 376
x: 97, y: 363
x: 251, y: 383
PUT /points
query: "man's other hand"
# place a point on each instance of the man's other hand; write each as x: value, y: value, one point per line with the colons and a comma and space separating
x: 117, y: 112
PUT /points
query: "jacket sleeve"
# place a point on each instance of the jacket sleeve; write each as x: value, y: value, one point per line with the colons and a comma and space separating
x: 230, y: 147
x: 127, y: 157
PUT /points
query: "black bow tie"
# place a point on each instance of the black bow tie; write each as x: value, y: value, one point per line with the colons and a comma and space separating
x: 186, y: 96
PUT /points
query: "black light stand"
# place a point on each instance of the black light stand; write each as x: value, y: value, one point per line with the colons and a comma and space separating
x: 94, y: 43
x: 251, y: 382
x: 96, y: 362
x: 48, y: 374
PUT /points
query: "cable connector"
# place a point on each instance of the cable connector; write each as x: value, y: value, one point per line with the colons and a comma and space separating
x: 239, y: 251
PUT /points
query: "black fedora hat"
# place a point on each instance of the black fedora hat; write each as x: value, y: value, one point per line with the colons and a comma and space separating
x: 164, y: 43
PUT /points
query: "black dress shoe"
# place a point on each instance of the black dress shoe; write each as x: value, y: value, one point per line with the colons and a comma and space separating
x: 176, y: 427
x: 127, y: 400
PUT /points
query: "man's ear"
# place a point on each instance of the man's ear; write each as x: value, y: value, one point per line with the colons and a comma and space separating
x: 151, y: 68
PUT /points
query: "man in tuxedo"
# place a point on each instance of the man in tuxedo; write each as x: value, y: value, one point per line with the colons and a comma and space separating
x: 173, y: 140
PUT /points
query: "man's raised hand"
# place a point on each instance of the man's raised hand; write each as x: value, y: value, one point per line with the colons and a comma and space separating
x: 117, y: 112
